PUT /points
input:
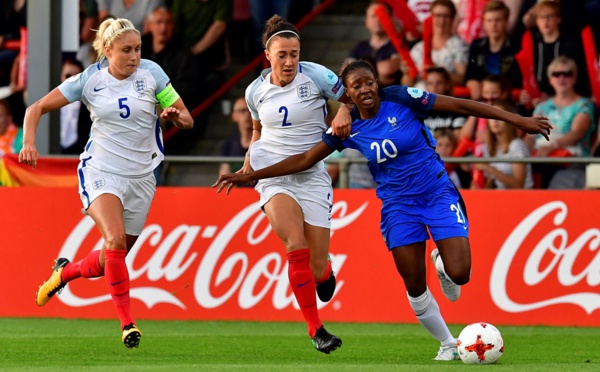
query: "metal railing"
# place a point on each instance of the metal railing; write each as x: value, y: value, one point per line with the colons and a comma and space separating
x: 344, y: 163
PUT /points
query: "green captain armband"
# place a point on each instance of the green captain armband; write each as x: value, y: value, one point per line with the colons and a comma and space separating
x: 167, y: 96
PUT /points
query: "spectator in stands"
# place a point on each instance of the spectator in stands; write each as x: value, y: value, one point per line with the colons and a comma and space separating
x: 446, y: 142
x: 448, y: 50
x: 262, y: 10
x: 243, y: 43
x: 438, y: 82
x: 378, y: 49
x: 549, y: 43
x: 573, y: 15
x: 13, y: 15
x: 90, y: 20
x: 13, y: 85
x: 202, y: 25
x: 571, y: 115
x: 493, y: 54
x: 137, y: 11
x: 11, y: 136
x: 75, y: 121
x: 471, y: 14
x: 494, y: 88
x: 503, y: 142
x: 239, y: 142
x: 359, y: 175
x: 164, y: 47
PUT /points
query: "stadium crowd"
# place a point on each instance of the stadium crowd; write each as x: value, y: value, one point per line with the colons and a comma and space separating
x: 526, y: 56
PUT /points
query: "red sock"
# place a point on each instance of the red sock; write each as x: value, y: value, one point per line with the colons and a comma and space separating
x: 304, y: 287
x: 327, y: 273
x: 89, y: 267
x: 117, y: 279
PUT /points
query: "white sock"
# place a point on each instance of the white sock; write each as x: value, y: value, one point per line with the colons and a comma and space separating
x: 428, y: 313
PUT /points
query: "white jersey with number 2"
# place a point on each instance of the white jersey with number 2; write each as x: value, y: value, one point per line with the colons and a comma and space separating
x: 293, y: 116
x: 125, y: 137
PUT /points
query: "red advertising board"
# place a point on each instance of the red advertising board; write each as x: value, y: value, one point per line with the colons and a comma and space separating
x: 209, y: 256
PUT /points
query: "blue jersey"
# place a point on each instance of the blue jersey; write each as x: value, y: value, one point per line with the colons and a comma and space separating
x: 399, y: 148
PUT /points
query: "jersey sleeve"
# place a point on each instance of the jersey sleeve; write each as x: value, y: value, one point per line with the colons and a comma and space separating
x: 165, y: 92
x: 250, y: 98
x: 417, y: 100
x: 72, y: 88
x: 332, y: 141
x: 329, y: 84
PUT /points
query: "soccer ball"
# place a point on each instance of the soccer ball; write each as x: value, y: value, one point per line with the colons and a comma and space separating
x: 480, y: 343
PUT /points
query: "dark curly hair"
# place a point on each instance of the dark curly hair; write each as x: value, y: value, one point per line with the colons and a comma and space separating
x: 347, y: 68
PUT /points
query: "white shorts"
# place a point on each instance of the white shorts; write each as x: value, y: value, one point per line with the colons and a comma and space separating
x: 312, y: 191
x: 136, y: 194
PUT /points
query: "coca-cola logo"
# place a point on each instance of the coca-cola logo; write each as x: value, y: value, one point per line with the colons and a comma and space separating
x: 175, y: 253
x: 563, y: 257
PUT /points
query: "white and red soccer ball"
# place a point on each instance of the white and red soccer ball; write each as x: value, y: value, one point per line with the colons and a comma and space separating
x: 480, y: 343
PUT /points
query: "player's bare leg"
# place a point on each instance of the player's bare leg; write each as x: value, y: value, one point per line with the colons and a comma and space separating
x: 452, y: 261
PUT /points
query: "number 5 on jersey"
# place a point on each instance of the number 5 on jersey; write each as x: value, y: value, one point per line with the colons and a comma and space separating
x: 123, y: 106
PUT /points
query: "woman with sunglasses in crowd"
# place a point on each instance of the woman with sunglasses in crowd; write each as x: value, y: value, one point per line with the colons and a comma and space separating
x: 571, y: 115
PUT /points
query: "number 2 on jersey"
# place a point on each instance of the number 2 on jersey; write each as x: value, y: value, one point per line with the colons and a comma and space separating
x: 285, y: 115
x: 122, y: 106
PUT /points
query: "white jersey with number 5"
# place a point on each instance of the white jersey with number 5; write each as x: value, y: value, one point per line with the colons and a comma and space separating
x: 125, y: 138
x: 292, y: 117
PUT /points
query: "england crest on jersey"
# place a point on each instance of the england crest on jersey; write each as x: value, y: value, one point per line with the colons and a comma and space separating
x: 139, y: 85
x: 303, y: 91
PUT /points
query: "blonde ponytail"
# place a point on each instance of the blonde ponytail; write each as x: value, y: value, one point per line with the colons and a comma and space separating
x: 110, y: 30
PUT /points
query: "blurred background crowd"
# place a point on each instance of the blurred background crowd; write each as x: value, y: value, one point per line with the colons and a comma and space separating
x: 527, y: 56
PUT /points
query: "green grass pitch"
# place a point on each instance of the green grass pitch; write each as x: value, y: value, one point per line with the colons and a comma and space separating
x: 89, y: 345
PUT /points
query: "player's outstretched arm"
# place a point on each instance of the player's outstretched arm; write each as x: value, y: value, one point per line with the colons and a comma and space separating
x: 293, y: 164
x: 50, y: 102
x: 531, y: 125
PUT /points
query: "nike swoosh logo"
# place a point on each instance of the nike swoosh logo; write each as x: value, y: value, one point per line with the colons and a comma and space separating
x: 299, y: 285
x: 98, y: 89
x: 116, y: 283
x: 354, y: 134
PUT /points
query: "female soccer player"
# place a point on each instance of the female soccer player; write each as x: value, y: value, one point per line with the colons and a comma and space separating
x: 288, y: 110
x: 116, y: 180
x: 414, y: 187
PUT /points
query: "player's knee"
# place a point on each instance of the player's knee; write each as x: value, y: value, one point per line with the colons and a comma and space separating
x: 115, y: 242
x: 415, y: 287
x: 460, y: 277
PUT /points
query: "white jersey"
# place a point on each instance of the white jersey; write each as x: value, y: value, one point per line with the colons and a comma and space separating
x: 292, y: 117
x: 125, y: 137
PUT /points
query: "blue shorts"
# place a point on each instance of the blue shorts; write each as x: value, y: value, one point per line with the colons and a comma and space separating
x: 405, y: 221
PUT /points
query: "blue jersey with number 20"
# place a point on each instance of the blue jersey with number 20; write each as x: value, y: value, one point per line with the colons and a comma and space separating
x: 399, y: 148
x: 417, y: 195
